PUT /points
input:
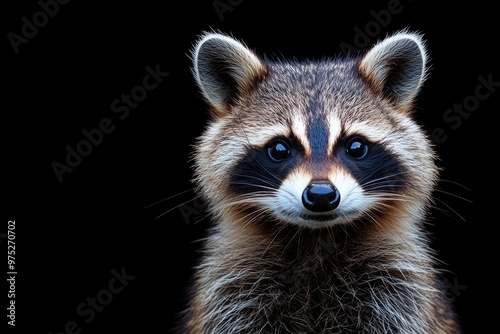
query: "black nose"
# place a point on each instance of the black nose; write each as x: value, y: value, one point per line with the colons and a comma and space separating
x: 321, y: 197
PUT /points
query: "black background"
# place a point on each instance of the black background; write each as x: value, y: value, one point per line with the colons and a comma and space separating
x: 70, y: 235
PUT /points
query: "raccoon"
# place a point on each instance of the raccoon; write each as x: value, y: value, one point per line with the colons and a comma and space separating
x: 318, y: 181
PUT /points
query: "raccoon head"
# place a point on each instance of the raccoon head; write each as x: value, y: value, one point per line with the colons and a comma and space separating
x: 312, y: 143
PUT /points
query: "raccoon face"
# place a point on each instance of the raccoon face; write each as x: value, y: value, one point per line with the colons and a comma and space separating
x: 313, y: 143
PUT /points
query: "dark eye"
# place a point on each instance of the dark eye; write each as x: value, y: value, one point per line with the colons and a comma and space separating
x: 279, y: 150
x: 356, y: 148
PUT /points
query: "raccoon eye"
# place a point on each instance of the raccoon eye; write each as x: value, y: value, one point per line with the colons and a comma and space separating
x: 279, y: 150
x: 356, y: 148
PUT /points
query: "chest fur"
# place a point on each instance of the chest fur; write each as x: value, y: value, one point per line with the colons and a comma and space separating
x: 323, y: 287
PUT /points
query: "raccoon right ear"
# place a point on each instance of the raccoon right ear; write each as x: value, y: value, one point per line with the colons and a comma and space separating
x: 396, y: 67
x: 224, y: 70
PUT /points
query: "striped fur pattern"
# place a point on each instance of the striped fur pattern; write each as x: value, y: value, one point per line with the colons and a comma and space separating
x: 318, y: 182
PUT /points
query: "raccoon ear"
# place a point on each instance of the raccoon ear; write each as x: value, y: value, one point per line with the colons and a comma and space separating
x: 224, y: 70
x: 396, y: 67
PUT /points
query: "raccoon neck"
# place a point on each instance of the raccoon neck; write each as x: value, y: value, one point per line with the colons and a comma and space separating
x: 399, y: 245
x: 260, y: 277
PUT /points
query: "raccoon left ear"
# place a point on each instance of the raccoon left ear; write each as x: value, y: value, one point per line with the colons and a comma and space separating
x: 396, y: 67
x: 225, y: 69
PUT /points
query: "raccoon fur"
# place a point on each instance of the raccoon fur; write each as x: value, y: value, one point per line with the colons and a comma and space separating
x: 318, y: 181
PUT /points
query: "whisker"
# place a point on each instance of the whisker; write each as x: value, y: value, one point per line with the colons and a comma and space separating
x: 439, y: 198
x: 362, y: 181
x: 375, y: 185
x: 273, y: 177
x: 204, y: 216
x: 455, y: 183
x: 259, y: 178
x: 168, y: 198
x: 453, y: 195
x: 449, y: 208
x: 178, y: 206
